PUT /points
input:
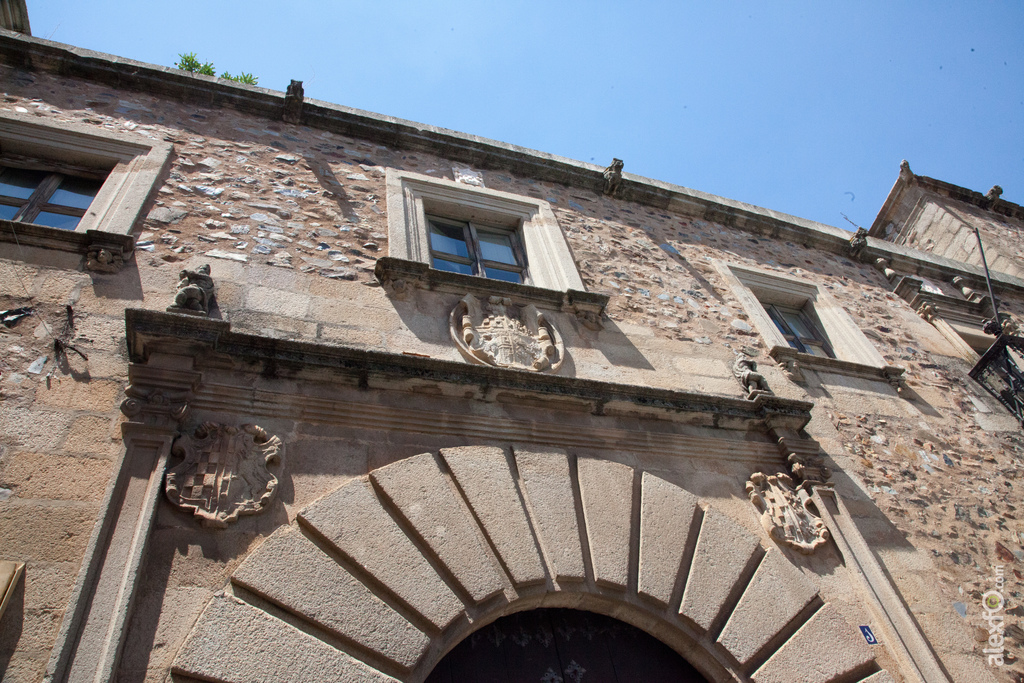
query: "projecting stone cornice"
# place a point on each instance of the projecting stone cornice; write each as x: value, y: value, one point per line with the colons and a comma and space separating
x: 214, y: 346
x: 36, y: 54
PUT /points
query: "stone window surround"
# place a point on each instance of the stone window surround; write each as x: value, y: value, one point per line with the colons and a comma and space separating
x: 411, y: 196
x: 855, y: 355
x: 137, y: 163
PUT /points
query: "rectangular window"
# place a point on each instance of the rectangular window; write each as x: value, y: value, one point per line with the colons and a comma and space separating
x: 470, y: 248
x: 800, y: 330
x: 800, y: 321
x: 42, y: 197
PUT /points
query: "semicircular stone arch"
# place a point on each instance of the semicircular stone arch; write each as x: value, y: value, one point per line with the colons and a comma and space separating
x: 379, y: 579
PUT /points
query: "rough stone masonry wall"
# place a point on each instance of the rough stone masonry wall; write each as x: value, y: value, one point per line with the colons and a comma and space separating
x: 292, y: 220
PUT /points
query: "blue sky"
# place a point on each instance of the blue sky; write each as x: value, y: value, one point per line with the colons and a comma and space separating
x: 800, y: 107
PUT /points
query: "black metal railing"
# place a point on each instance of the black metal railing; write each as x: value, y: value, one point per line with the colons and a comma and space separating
x: 1001, y: 372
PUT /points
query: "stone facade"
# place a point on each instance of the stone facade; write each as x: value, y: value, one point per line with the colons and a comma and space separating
x: 436, y: 450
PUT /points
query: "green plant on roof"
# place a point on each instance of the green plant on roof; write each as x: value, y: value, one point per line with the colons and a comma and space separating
x: 241, y: 78
x: 189, y: 62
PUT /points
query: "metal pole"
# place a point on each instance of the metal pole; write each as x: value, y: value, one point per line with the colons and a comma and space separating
x: 988, y: 282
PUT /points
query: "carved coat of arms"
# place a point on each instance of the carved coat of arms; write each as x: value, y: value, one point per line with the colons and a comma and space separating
x: 783, y: 514
x: 493, y: 335
x: 224, y: 472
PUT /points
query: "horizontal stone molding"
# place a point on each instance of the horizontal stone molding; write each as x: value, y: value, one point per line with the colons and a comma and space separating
x: 389, y: 571
x: 31, y: 235
x: 150, y: 332
x: 807, y: 361
x: 390, y: 270
x: 34, y: 53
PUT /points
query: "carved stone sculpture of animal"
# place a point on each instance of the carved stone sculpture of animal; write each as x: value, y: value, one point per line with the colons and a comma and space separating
x: 195, y: 292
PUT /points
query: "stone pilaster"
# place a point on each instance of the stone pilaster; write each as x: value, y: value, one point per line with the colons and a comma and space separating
x: 92, y: 634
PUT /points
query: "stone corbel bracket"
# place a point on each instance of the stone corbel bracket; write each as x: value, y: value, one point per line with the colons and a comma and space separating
x: 105, y: 252
x: 803, y: 454
x: 160, y: 396
x: 401, y: 279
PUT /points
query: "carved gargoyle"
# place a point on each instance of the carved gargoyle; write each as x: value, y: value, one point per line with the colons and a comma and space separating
x: 293, y: 98
x: 195, y: 292
x: 991, y: 197
x: 613, y: 177
x: 752, y: 381
x: 858, y: 242
x: 905, y: 171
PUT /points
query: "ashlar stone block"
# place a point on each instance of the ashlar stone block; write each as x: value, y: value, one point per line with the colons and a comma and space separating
x: 234, y: 642
x: 777, y: 593
x: 723, y: 550
x: 880, y: 677
x: 290, y: 570
x: 354, y: 521
x: 606, y: 489
x: 548, y: 488
x: 483, y: 474
x: 823, y: 650
x: 417, y: 487
x: 666, y: 518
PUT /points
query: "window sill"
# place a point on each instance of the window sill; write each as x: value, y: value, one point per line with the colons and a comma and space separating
x: 788, y: 356
x: 117, y: 247
x: 400, y: 277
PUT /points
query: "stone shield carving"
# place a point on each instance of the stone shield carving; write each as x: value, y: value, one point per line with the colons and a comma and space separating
x: 493, y: 334
x: 224, y: 472
x: 783, y: 514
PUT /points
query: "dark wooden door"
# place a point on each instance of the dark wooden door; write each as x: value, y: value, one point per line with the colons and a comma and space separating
x: 562, y: 646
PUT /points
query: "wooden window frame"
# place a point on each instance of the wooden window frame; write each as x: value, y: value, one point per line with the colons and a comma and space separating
x: 800, y: 343
x: 30, y: 208
x: 411, y: 197
x: 476, y: 260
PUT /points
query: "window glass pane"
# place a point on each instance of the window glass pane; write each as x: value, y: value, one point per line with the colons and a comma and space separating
x: 8, y: 212
x: 453, y: 267
x: 76, y: 192
x: 507, y: 275
x: 19, y: 182
x: 496, y: 247
x: 56, y: 220
x: 816, y: 350
x: 448, y: 239
x: 798, y: 325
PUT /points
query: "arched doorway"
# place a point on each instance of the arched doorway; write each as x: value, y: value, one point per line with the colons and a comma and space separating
x: 562, y: 646
x: 378, y: 579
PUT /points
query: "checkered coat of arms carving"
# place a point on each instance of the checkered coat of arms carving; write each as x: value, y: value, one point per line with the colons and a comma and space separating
x: 224, y: 472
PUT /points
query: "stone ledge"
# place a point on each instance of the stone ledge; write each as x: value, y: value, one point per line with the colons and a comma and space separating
x: 152, y: 332
x: 391, y: 271
x: 31, y: 235
x: 806, y: 361
x: 27, y: 52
